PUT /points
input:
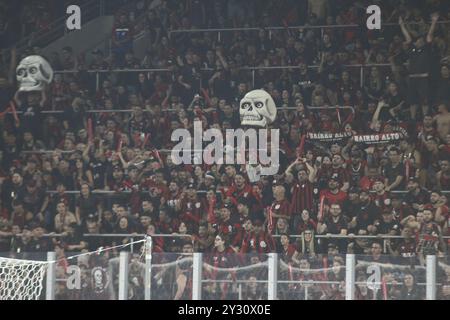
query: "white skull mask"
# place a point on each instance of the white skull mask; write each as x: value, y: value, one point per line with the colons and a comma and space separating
x: 257, y: 108
x: 33, y: 73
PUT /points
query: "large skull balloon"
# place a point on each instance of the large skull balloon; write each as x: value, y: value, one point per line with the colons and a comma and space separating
x: 33, y: 73
x: 257, y: 109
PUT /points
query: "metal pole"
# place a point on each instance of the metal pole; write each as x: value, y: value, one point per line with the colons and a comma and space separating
x: 240, y: 291
x: 123, y: 276
x: 272, y: 276
x: 350, y: 277
x: 197, y: 276
x: 361, y: 77
x: 253, y: 79
x: 132, y: 245
x: 431, y: 278
x: 51, y: 276
x: 97, y: 81
x: 148, y: 268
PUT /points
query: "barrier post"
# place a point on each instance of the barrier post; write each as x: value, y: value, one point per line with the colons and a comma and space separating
x: 350, y: 277
x: 51, y: 276
x: 197, y: 276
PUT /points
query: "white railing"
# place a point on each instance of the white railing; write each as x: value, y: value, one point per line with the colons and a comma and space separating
x: 272, y: 281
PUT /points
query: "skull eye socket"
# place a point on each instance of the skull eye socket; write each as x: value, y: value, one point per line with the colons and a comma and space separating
x: 21, y: 72
x: 33, y: 70
x: 246, y: 105
x: 259, y: 104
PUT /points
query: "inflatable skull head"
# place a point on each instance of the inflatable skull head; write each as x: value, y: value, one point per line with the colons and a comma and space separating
x: 33, y: 73
x: 257, y: 108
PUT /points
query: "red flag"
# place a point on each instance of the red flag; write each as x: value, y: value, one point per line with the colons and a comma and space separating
x: 407, y: 169
x: 211, y: 216
x: 119, y: 146
x: 270, y: 219
x: 383, y: 283
x: 90, y: 130
x: 322, y: 200
x: 301, y: 146
x: 2, y: 114
x: 13, y: 110
x: 206, y: 96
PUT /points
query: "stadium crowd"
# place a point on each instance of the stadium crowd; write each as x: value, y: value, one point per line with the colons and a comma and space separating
x: 381, y: 168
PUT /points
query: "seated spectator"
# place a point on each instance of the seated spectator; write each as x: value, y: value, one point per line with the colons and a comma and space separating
x: 63, y: 217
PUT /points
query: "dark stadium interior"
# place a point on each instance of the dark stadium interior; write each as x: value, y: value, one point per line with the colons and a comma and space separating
x: 364, y: 135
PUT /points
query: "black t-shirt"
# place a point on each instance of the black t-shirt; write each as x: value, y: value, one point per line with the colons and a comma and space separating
x: 367, y: 214
x: 422, y: 197
x: 391, y: 173
x: 98, y: 169
x: 31, y: 119
x: 87, y: 206
x: 335, y: 227
x: 419, y: 59
x: 66, y: 179
x: 387, y: 227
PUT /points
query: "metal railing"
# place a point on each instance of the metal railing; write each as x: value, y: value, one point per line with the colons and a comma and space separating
x: 219, y: 31
x: 247, y: 68
x: 312, y: 108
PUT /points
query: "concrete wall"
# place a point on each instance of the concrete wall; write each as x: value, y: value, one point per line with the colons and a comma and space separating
x: 92, y: 35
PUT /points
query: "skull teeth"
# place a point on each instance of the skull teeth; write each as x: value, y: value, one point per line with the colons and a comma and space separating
x: 249, y: 117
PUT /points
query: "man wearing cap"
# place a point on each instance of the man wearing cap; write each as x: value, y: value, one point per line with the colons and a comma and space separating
x: 333, y: 194
x: 209, y: 181
x: 339, y: 172
x: 416, y: 195
x: 388, y: 224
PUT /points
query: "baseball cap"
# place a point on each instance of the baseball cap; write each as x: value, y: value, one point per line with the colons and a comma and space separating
x: 334, y: 176
x: 210, y: 175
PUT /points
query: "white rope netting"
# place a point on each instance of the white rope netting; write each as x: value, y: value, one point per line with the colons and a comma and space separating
x: 21, y: 279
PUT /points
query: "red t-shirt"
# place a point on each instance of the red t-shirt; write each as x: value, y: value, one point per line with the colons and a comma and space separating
x: 331, y: 198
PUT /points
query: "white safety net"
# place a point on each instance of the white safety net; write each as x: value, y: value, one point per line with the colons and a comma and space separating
x: 21, y: 279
